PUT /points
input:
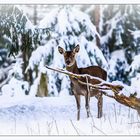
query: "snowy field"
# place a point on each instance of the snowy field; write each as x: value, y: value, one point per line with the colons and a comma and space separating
x: 57, y: 116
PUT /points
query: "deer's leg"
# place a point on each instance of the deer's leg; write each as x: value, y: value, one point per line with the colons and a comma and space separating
x: 77, y: 97
x: 87, y: 99
x: 100, y: 105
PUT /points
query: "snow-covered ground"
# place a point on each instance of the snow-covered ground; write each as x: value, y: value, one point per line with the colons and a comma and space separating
x: 57, y: 116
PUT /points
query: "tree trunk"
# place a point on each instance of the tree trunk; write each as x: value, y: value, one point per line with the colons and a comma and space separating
x: 97, y: 21
x: 26, y: 53
x: 36, y: 71
x: 24, y: 64
x: 35, y: 15
x: 42, y: 90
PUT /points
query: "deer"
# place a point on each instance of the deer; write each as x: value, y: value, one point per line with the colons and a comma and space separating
x: 77, y: 88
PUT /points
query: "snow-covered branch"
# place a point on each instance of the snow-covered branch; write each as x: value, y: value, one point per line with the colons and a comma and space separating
x: 130, y: 101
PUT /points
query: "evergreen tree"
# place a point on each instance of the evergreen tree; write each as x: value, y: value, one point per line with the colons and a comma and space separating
x: 115, y: 24
x: 19, y: 38
x: 127, y: 20
x: 69, y: 27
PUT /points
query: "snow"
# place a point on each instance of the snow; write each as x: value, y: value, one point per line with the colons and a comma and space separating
x: 115, y: 56
x: 118, y: 54
x: 118, y: 36
x: 41, y: 53
x: 68, y: 22
x: 135, y: 65
x: 112, y: 24
x: 63, y: 25
x: 29, y: 25
x: 85, y: 20
x: 90, y: 9
x: 136, y: 34
x: 135, y: 82
x: 29, y: 115
x: 20, y: 88
x: 57, y: 116
x: 45, y: 23
x: 134, y: 74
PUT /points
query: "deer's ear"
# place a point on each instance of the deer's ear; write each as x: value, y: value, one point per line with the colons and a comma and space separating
x: 61, y: 50
x: 76, y: 49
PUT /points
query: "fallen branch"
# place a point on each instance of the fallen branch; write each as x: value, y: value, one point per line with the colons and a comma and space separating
x: 131, y: 101
x: 101, y: 84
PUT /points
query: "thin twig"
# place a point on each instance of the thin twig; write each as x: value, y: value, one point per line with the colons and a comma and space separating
x: 49, y: 126
x: 56, y: 127
x: 15, y: 122
x: 38, y: 126
x: 74, y: 127
x: 110, y: 122
x: 93, y: 124
x: 115, y: 112
x: 99, y: 130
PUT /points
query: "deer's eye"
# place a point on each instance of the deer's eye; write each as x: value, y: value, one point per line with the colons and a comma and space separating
x: 73, y: 55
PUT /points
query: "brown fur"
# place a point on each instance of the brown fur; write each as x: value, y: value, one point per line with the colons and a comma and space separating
x: 79, y: 89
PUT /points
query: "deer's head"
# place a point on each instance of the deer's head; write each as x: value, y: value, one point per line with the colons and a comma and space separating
x: 69, y: 56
